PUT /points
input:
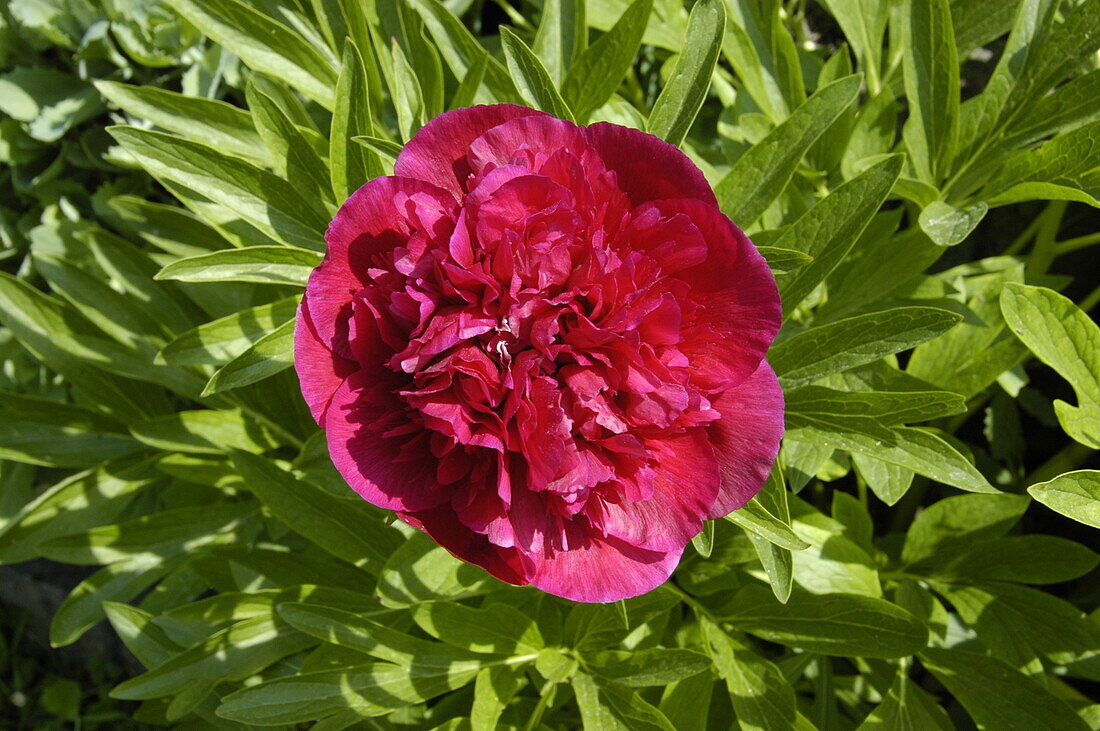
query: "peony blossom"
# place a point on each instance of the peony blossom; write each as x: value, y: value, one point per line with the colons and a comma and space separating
x: 543, y: 345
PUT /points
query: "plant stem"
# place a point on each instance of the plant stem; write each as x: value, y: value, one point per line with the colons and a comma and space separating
x: 1042, y: 253
x: 1065, y: 247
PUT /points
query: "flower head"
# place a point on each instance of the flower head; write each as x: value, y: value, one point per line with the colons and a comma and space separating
x: 543, y: 345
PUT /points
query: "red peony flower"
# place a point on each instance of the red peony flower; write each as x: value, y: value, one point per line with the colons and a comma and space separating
x: 543, y: 345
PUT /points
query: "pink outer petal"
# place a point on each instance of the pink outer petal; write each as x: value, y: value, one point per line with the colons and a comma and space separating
x: 685, y: 488
x: 598, y: 569
x: 440, y: 523
x: 739, y: 308
x: 437, y: 153
x: 376, y: 219
x: 396, y: 472
x: 320, y: 371
x: 746, y: 438
x: 527, y: 137
x: 648, y: 168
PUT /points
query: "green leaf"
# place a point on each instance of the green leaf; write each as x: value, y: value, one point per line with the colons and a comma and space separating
x: 148, y: 642
x: 919, y: 450
x: 833, y: 624
x: 777, y: 561
x: 844, y: 344
x: 761, y: 174
x: 160, y: 535
x: 1068, y: 107
x: 461, y: 50
x: 350, y: 165
x: 1061, y: 335
x: 294, y: 155
x: 685, y: 91
x: 358, y: 633
x: 1073, y: 494
x: 960, y: 520
x: 259, y: 197
x: 53, y: 434
x: 1028, y: 559
x: 907, y: 706
x: 947, y: 225
x: 830, y: 229
x: 226, y: 338
x: 761, y: 697
x: 614, y: 707
x: 753, y: 517
x: 370, y: 689
x: 1060, y: 164
x: 995, y: 695
x: 863, y: 23
x: 204, y: 431
x: 531, y: 78
x: 561, y: 37
x: 686, y: 703
x: 648, y: 668
x: 260, y: 264
x: 351, y: 530
x: 1014, y: 621
x: 80, y: 501
x: 209, y: 121
x: 269, y: 355
x: 50, y: 102
x: 931, y: 66
x: 408, y: 96
x: 264, y: 44
x: 494, y: 688
x: 67, y: 344
x: 169, y: 228
x: 603, y: 65
x: 421, y: 571
x: 784, y: 260
x: 704, y: 541
x: 495, y: 628
x: 863, y: 410
x: 231, y: 654
x: 120, y: 582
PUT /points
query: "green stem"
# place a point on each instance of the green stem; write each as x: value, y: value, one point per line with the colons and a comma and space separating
x: 1042, y: 253
x: 1065, y: 247
x: 688, y: 599
x: 1091, y: 301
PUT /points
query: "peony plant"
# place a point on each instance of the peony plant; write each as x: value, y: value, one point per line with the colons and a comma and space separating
x: 556, y: 363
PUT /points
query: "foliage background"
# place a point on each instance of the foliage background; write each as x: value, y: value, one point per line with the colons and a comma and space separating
x: 921, y: 559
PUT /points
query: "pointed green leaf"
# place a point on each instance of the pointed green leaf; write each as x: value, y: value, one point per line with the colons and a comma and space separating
x: 1073, y: 494
x: 531, y: 78
x: 686, y: 90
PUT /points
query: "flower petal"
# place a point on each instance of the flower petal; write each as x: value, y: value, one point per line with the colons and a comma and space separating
x: 739, y: 311
x: 437, y: 153
x: 746, y: 438
x: 383, y: 215
x: 466, y: 545
x: 595, y: 569
x: 648, y: 168
x: 381, y: 453
x: 320, y: 371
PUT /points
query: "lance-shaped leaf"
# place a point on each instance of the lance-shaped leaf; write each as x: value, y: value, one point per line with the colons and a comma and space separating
x: 203, y: 120
x: 1061, y: 335
x: 261, y: 198
x: 761, y: 697
x: 602, y: 67
x: 679, y: 103
x: 350, y: 530
x: 205, y: 431
x: 830, y: 229
x: 931, y: 84
x: 997, y: 696
x: 260, y: 264
x: 561, y: 37
x: 532, y: 79
x: 761, y: 174
x: 232, y: 654
x: 831, y: 624
x: 350, y: 165
x: 264, y: 44
x: 269, y: 355
x: 223, y: 339
x: 854, y: 341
